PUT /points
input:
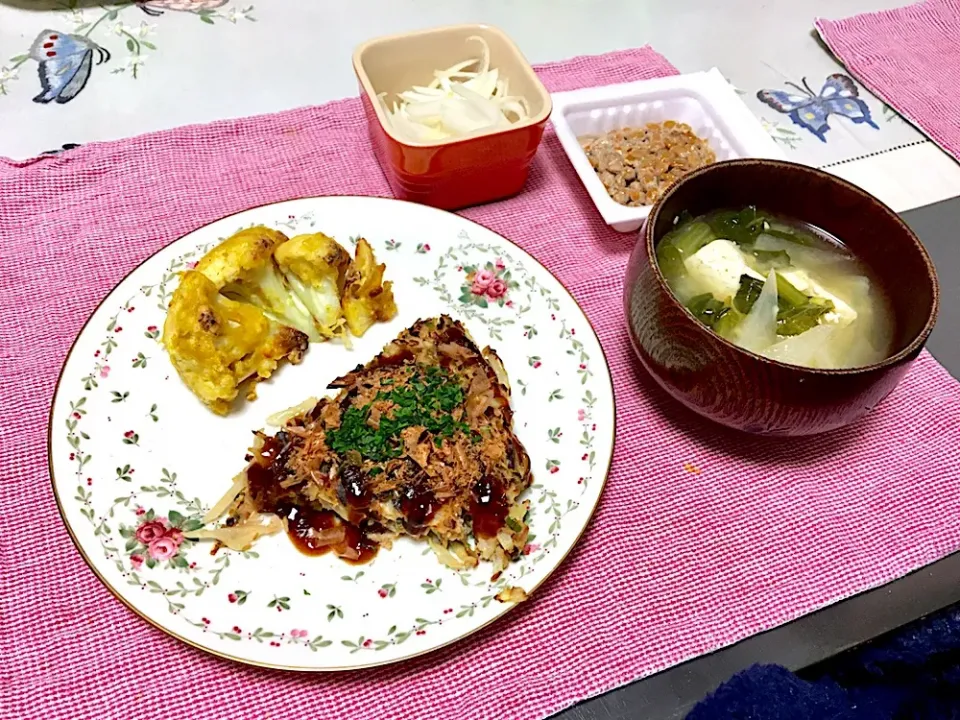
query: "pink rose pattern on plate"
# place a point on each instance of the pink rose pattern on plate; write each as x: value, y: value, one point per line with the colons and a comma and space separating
x: 155, y: 541
x: 158, y: 539
x: 503, y: 284
x: 487, y: 284
x: 149, y: 531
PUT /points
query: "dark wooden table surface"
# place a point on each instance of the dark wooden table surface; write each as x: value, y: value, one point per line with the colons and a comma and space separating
x: 672, y: 693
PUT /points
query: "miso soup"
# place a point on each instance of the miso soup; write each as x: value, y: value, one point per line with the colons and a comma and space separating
x: 777, y: 287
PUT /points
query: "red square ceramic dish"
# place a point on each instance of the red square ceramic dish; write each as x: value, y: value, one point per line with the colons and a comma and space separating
x: 458, y: 172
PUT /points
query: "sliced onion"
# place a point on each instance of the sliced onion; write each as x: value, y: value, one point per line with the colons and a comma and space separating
x: 415, y: 131
x: 458, y: 101
x: 485, y: 58
x: 485, y: 108
x: 462, y: 119
x: 485, y: 84
x: 428, y: 90
x: 513, y: 107
x: 415, y: 96
x: 425, y: 110
x: 458, y: 69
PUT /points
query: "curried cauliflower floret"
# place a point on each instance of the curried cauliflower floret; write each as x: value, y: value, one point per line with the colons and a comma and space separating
x: 366, y: 297
x: 216, y: 343
x: 259, y: 297
x: 242, y: 267
x: 315, y: 268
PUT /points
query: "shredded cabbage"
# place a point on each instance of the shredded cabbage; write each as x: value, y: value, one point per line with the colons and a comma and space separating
x: 457, y: 102
x: 241, y: 536
x: 279, y: 419
x: 224, y: 503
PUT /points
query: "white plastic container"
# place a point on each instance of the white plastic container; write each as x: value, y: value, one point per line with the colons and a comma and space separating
x: 705, y: 101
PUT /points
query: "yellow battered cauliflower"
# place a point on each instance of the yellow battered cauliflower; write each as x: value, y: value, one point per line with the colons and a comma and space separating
x: 243, y: 268
x: 216, y: 344
x: 259, y: 297
x: 366, y: 297
x: 315, y: 267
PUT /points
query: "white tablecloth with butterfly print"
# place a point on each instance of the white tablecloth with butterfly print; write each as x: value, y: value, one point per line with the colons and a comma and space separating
x: 75, y: 71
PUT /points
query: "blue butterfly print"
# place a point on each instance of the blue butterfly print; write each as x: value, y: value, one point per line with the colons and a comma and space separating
x: 63, y: 148
x: 839, y: 96
x: 65, y: 64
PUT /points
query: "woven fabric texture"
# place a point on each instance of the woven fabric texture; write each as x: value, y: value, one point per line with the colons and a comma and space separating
x: 702, y: 537
x: 910, y: 58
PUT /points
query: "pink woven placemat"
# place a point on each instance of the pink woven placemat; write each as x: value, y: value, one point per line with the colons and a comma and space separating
x: 702, y: 538
x: 910, y: 58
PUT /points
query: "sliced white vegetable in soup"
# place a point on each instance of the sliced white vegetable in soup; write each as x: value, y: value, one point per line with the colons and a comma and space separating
x: 811, y: 348
x: 758, y: 330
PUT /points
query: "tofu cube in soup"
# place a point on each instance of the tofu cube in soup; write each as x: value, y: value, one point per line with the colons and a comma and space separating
x: 717, y: 268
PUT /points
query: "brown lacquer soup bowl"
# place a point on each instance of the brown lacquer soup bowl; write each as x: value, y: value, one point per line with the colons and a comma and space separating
x: 748, y: 392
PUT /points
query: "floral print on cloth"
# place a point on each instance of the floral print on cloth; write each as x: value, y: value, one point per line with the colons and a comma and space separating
x: 66, y: 60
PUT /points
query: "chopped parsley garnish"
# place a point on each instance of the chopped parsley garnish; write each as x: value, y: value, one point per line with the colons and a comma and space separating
x: 427, y: 400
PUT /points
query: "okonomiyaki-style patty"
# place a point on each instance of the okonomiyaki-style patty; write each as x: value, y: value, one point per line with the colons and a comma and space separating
x: 418, y: 442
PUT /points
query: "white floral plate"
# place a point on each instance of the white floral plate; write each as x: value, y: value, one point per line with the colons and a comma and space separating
x: 136, y: 459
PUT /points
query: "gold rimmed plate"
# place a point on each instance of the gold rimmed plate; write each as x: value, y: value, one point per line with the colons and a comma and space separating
x: 135, y: 457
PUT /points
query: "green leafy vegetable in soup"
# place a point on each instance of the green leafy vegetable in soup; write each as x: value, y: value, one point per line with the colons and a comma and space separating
x: 708, y: 309
x: 777, y: 287
x: 747, y: 293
